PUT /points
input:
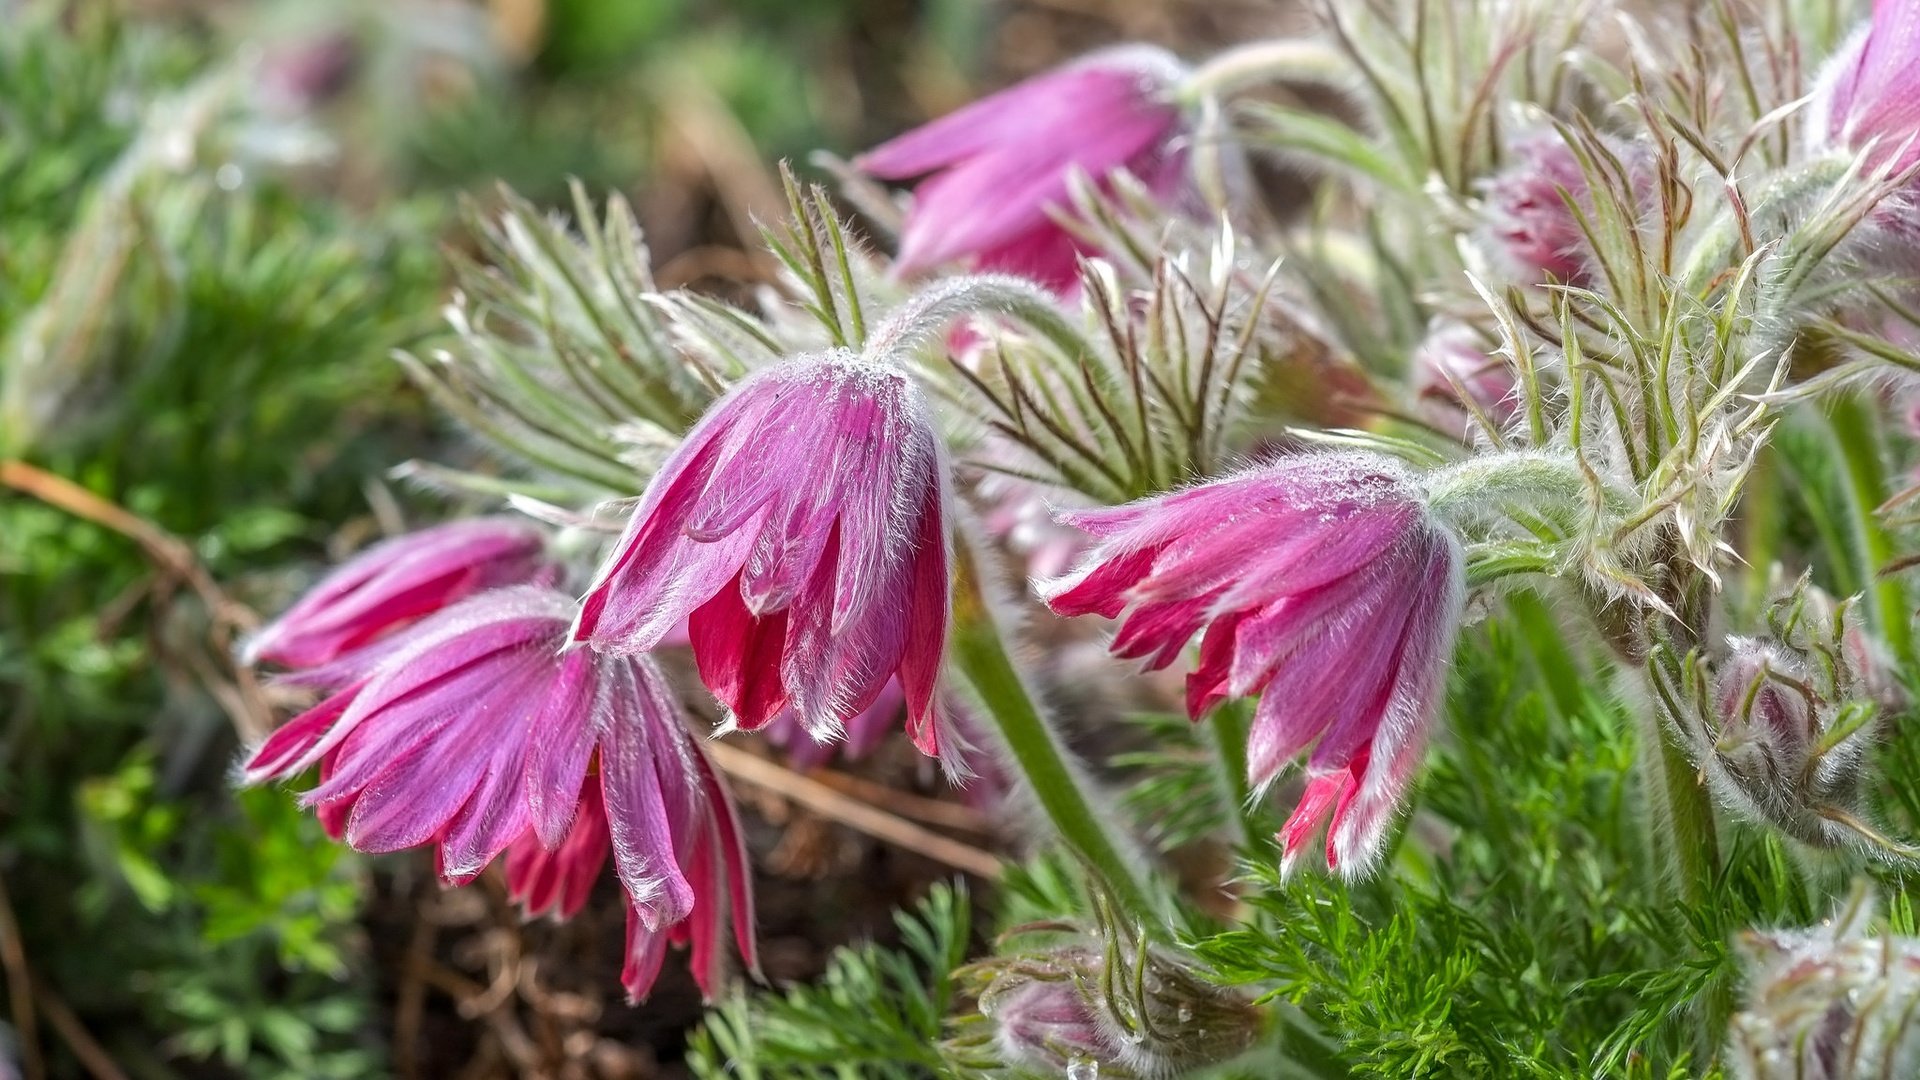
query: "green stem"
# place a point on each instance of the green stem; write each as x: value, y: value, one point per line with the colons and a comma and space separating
x: 981, y: 656
x: 1857, y: 436
x: 1683, y: 817
x: 1228, y: 724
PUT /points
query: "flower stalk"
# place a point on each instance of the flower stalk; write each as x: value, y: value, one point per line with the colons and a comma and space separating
x: 980, y: 654
x: 1856, y: 436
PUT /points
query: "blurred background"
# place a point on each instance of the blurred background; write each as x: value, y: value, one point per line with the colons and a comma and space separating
x: 217, y: 221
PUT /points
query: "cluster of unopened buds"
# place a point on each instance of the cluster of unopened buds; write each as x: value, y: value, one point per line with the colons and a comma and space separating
x: 816, y: 537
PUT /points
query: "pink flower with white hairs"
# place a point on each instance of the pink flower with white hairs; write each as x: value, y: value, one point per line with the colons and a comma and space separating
x: 1870, y: 91
x: 992, y: 175
x: 476, y: 730
x: 394, y: 583
x: 801, y: 530
x: 1326, y: 588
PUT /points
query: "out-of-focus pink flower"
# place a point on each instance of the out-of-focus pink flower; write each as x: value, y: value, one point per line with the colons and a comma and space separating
x: 476, y: 730
x: 863, y: 733
x: 1870, y: 91
x: 301, y: 74
x: 1325, y: 587
x: 394, y: 583
x: 992, y: 175
x: 801, y: 529
x: 1452, y: 359
x: 1528, y: 213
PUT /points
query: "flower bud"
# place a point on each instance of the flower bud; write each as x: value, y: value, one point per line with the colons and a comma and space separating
x: 1829, y: 1003
x: 1789, y: 718
x: 1765, y: 709
x: 1454, y: 375
x: 1531, y: 206
x: 1085, y: 1009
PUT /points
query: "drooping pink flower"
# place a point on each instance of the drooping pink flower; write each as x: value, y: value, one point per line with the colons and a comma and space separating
x: 476, y: 731
x: 394, y: 583
x: 1529, y: 215
x: 557, y: 882
x: 1454, y: 359
x: 992, y: 175
x: 801, y: 529
x: 1325, y: 587
x: 1869, y: 93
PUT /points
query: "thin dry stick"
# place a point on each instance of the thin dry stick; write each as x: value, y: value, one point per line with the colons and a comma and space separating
x: 235, y: 690
x: 13, y: 954
x: 853, y: 813
x: 93, y: 1057
x: 938, y: 812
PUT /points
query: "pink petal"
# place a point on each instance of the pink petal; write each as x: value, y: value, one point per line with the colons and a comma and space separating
x: 739, y: 656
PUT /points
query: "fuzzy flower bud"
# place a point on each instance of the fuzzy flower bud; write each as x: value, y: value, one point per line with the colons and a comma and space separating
x: 992, y: 176
x: 1765, y: 708
x: 394, y: 583
x: 1829, y: 1003
x: 1452, y: 369
x: 1530, y: 207
x: 1062, y: 1011
x: 1869, y: 93
x: 1790, y: 719
x: 1325, y: 587
x: 801, y: 532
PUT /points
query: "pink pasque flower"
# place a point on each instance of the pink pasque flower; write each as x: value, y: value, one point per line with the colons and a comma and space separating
x: 1453, y: 359
x: 395, y: 582
x: 801, y: 529
x: 1870, y: 91
x: 1326, y: 588
x: 992, y: 175
x: 476, y: 730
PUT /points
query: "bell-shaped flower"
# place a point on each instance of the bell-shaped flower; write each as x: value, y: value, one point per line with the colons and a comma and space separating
x: 478, y: 728
x: 993, y: 175
x: 1867, y: 98
x: 1324, y: 586
x: 801, y: 530
x: 394, y: 583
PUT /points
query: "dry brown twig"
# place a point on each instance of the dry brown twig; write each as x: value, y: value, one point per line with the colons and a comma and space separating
x: 237, y: 692
x: 854, y: 813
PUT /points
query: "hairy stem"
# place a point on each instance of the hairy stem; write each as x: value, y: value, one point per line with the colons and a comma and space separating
x: 1857, y: 437
x: 1228, y: 726
x: 1682, y: 811
x: 1058, y: 783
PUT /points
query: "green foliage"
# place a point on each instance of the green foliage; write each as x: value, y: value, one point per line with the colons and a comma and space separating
x: 877, y: 1012
x: 1535, y: 939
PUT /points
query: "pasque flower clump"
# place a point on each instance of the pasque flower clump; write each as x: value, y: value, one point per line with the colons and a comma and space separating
x: 1494, y: 650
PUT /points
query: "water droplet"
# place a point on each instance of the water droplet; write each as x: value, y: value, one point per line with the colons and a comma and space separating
x: 229, y: 177
x: 1083, y: 1068
x: 1185, y: 1014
